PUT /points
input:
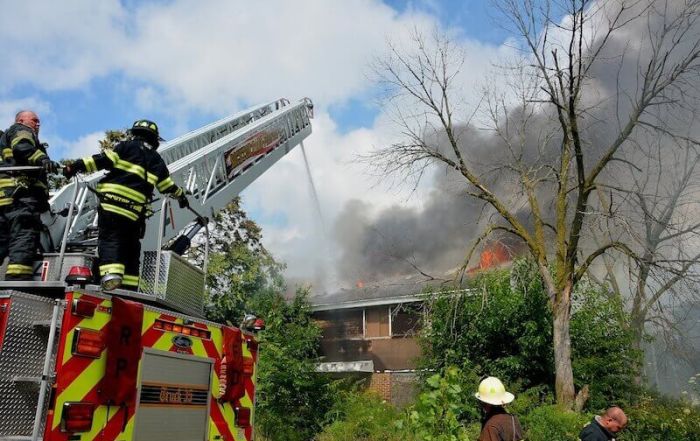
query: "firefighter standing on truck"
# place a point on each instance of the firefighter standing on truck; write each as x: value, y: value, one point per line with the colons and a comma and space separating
x: 135, y: 169
x: 24, y: 194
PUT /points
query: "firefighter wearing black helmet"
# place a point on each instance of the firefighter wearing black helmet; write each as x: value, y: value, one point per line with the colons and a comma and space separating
x: 135, y: 170
x: 24, y: 193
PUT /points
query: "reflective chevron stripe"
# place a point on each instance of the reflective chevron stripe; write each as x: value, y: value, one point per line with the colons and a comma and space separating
x: 78, y: 378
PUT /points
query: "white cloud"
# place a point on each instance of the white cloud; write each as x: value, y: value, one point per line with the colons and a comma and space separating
x: 9, y: 108
x: 59, y: 45
x: 216, y: 56
x: 85, y: 145
x: 186, y: 55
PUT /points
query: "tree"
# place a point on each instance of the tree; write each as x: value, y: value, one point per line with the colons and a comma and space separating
x: 501, y: 326
x: 293, y: 399
x: 660, y: 225
x: 582, y: 92
x: 239, y: 265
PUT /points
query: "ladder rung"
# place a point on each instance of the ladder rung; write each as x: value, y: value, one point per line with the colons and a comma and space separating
x: 33, y: 380
x: 42, y: 323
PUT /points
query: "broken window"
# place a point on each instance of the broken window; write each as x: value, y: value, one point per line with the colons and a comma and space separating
x: 406, y: 320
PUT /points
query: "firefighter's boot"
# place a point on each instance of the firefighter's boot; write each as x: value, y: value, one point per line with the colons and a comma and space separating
x: 110, y: 282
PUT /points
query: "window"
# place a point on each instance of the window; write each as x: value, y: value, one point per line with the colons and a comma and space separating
x: 341, y: 324
x: 377, y: 322
x: 406, y: 320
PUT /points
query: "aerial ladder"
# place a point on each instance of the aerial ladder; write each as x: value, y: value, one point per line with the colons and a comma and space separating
x: 81, y: 363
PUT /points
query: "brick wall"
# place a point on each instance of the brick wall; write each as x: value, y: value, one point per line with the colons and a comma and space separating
x: 380, y: 383
x: 397, y: 388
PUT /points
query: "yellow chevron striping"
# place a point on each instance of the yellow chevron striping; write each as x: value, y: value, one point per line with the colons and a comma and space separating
x: 246, y: 401
x: 81, y: 385
x: 214, y: 431
x: 164, y: 342
x: 67, y: 350
x: 198, y: 348
x: 98, y: 322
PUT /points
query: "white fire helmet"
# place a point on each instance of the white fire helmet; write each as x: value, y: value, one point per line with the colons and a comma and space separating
x: 492, y: 391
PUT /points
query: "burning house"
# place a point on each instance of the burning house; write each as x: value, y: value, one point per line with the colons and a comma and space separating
x: 370, y: 331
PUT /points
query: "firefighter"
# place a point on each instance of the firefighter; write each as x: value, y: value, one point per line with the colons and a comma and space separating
x: 497, y: 424
x: 24, y: 194
x: 135, y: 169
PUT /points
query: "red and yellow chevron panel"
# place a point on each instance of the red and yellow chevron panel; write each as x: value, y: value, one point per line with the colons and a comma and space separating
x: 81, y: 365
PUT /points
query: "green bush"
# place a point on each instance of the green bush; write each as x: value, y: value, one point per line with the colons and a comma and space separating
x: 550, y: 423
x: 503, y: 327
x: 498, y: 328
x: 659, y: 419
x: 292, y: 399
x: 436, y: 414
x: 363, y: 417
x: 603, y: 354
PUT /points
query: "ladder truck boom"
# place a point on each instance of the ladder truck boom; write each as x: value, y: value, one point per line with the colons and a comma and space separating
x: 214, y: 164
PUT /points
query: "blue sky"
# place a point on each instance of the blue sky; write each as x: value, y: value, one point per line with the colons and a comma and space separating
x: 89, y: 66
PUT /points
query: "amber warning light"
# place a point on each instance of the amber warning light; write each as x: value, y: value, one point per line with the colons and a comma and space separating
x: 181, y: 329
x: 88, y: 343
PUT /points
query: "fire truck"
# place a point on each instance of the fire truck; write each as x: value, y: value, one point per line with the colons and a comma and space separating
x: 78, y: 362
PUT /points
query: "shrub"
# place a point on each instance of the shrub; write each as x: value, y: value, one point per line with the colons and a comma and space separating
x: 292, y: 399
x: 503, y: 327
x: 436, y: 414
x: 498, y: 328
x: 550, y: 423
x: 603, y: 354
x: 363, y: 417
x: 660, y: 419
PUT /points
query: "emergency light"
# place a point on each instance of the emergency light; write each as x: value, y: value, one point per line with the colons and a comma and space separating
x: 78, y: 275
x: 259, y: 325
x: 84, y: 308
x: 243, y: 417
x: 77, y: 417
x: 88, y: 343
x: 182, y: 329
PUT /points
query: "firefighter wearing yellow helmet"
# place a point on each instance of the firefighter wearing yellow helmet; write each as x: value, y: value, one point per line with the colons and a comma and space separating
x: 135, y: 170
x: 497, y: 424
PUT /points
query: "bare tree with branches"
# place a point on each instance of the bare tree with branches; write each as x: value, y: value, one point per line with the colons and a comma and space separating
x: 559, y: 133
x: 659, y: 222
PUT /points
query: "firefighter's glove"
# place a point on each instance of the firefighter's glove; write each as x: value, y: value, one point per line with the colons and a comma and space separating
x: 69, y: 170
x: 182, y: 201
x: 49, y: 166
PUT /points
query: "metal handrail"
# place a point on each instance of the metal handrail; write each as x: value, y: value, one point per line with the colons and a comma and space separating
x: 161, y: 231
x: 68, y: 226
x: 44, y: 385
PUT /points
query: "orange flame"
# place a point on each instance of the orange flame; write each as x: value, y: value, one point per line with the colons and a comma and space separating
x: 494, y: 255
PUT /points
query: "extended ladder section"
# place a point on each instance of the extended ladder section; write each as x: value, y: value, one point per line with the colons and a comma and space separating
x: 214, y: 164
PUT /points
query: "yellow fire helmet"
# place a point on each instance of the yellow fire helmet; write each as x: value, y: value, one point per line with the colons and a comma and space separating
x: 492, y: 391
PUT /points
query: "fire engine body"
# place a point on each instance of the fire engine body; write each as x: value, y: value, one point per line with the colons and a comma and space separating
x: 79, y: 363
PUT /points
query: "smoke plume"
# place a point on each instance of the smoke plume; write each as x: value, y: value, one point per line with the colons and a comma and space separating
x: 435, y: 239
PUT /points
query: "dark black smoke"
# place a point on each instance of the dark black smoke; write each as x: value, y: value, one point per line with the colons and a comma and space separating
x: 435, y: 239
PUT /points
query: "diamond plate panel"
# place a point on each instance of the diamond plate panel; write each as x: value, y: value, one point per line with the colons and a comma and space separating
x: 22, y: 362
x: 69, y: 260
x: 180, y: 284
x: 48, y: 266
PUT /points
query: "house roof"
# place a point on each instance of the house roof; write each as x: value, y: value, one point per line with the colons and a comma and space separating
x: 387, y: 292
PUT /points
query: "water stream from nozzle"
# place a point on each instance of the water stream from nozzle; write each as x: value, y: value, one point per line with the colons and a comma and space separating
x: 314, y: 193
x: 322, y: 261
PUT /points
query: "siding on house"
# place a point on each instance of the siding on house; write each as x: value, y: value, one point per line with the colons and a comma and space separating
x: 384, y: 334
